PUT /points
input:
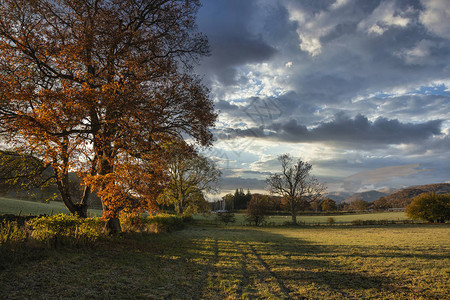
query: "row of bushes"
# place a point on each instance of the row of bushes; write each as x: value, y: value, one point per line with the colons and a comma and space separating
x: 64, y: 229
x: 381, y: 222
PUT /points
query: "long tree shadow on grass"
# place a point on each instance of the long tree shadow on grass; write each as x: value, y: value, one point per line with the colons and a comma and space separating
x: 296, y: 265
x: 198, y: 263
x: 247, y: 263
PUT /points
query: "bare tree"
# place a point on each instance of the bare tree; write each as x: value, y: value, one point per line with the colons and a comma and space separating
x: 295, y: 184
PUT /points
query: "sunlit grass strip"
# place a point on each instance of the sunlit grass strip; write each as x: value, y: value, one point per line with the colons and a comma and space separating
x: 16, y: 206
x: 277, y: 220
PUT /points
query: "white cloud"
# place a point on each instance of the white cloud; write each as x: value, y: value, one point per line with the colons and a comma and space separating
x: 311, y: 27
x: 417, y: 55
x: 436, y: 17
x: 339, y: 3
x: 382, y: 18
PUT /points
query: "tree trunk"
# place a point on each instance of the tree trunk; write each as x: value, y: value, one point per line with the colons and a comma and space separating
x: 106, y: 166
x: 81, y: 210
x: 180, y: 208
x: 293, y: 212
x: 294, y: 217
x: 77, y: 209
x: 112, y: 226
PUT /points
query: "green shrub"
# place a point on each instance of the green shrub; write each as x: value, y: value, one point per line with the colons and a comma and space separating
x: 430, y: 207
x: 226, y: 217
x: 330, y: 221
x: 153, y: 224
x: 167, y: 223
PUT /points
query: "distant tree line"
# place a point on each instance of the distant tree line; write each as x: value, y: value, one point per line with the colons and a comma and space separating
x: 237, y: 201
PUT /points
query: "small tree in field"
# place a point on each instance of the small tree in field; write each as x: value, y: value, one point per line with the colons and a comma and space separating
x: 295, y: 184
x: 430, y: 207
x: 257, y: 209
x: 328, y: 205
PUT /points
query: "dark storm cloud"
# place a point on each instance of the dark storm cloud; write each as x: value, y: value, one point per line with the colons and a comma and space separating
x: 344, y: 130
x: 226, y: 23
x: 230, y: 52
x: 225, y: 106
x: 382, y: 130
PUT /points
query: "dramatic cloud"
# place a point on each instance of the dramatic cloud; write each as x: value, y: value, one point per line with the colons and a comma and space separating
x: 232, y: 44
x: 359, y: 131
x: 351, y: 85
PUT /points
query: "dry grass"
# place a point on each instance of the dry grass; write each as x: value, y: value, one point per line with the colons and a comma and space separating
x: 209, y: 262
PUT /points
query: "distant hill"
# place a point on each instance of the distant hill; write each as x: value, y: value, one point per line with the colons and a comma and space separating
x: 338, y: 196
x: 396, y: 198
x: 368, y: 196
x: 403, y: 197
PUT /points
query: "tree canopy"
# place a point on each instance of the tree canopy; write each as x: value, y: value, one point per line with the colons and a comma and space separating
x: 191, y: 175
x: 257, y: 209
x: 97, y: 86
x: 328, y: 205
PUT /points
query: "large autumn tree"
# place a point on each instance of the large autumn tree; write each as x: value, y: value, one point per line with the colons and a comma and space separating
x: 295, y: 184
x: 97, y: 86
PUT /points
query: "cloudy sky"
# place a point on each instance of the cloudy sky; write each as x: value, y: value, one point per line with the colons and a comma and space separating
x: 360, y: 89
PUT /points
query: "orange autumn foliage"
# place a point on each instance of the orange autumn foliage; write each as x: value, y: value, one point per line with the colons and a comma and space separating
x: 97, y: 87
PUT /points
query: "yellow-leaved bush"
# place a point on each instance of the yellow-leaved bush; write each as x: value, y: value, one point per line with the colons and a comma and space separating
x: 66, y: 227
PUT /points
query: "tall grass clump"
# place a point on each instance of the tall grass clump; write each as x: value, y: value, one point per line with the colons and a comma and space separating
x: 12, y: 231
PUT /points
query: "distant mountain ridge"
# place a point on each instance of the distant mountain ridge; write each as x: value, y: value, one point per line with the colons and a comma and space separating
x: 395, y: 197
x: 338, y: 196
x: 367, y: 196
x: 403, y: 197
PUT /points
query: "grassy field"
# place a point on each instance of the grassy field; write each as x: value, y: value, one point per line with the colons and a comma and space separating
x: 313, y: 220
x: 234, y: 262
x: 14, y: 206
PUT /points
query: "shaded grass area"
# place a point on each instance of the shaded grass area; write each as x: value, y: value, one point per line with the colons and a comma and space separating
x: 211, y: 262
x: 14, y: 206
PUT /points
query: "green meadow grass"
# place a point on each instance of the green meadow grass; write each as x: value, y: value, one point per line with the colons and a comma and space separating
x: 14, y: 206
x: 234, y: 262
